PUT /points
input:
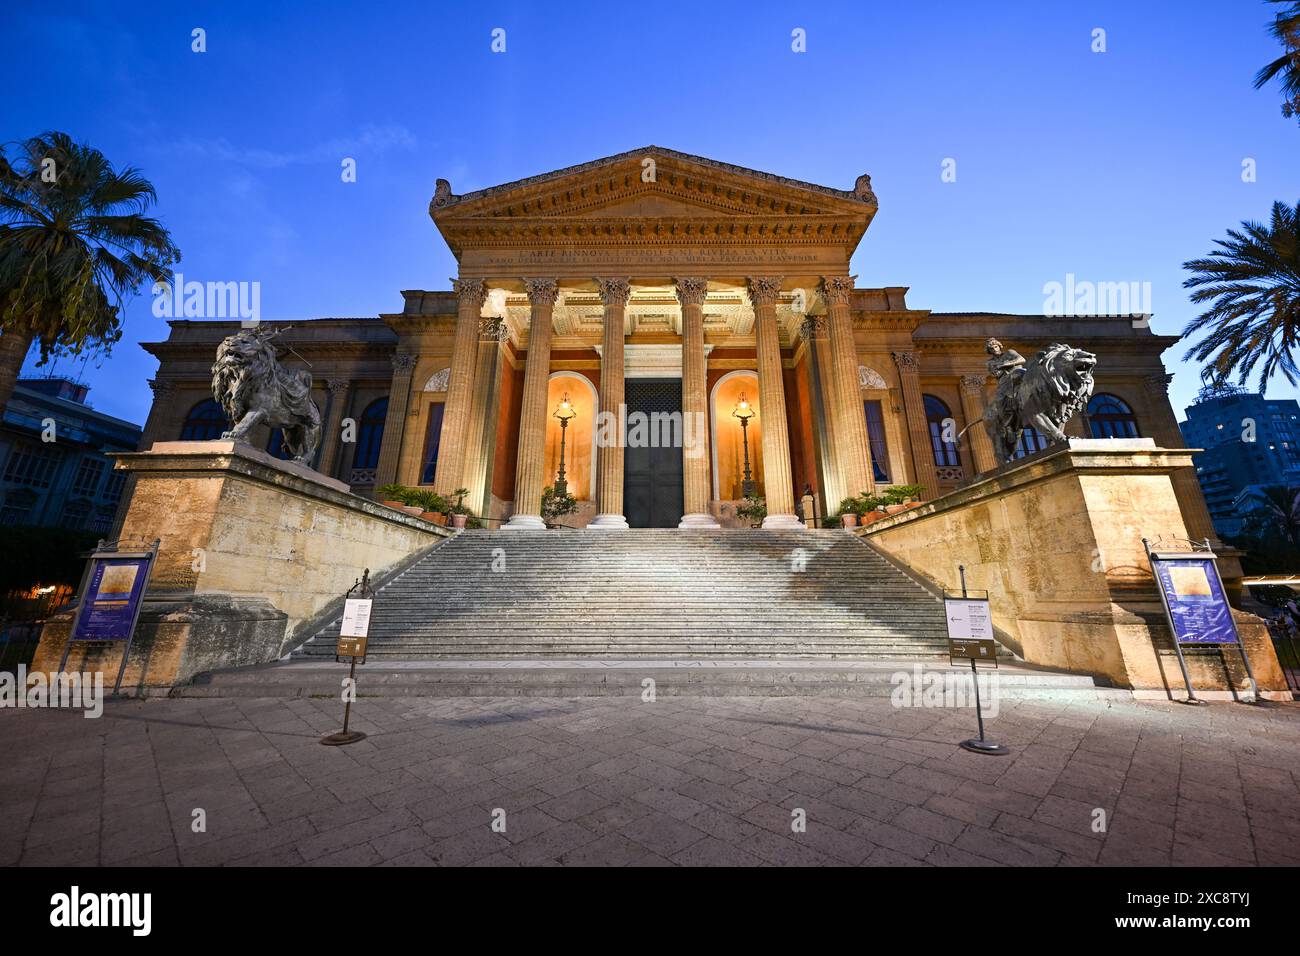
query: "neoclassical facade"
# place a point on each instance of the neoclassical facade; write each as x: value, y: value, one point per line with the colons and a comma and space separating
x: 656, y: 282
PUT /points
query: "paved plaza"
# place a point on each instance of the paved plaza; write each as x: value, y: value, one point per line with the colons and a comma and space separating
x: 1092, y: 779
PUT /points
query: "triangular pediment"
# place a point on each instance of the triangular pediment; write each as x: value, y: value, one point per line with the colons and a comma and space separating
x: 653, y: 183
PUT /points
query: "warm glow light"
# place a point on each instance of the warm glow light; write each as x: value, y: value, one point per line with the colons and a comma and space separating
x: 566, y: 411
x: 743, y: 409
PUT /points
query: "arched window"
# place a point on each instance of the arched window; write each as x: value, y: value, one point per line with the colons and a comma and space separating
x: 939, y: 418
x: 205, y: 422
x: 1031, y: 440
x: 1111, y: 417
x: 371, y: 434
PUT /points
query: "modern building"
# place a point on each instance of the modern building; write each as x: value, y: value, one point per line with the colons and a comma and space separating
x: 666, y: 284
x: 1248, y: 440
x: 57, y: 470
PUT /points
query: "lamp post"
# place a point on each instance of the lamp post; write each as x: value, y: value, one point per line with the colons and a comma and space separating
x: 745, y: 411
x: 565, y: 412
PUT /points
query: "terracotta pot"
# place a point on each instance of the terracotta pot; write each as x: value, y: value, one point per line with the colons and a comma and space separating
x: 871, y: 516
x: 393, y: 504
x: 850, y: 520
x: 435, y: 516
x: 458, y: 521
x: 413, y: 510
x: 894, y: 509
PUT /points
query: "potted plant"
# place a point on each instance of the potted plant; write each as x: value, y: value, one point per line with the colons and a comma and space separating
x: 754, y: 510
x: 391, y: 494
x: 848, y: 512
x: 900, y: 497
x: 433, y: 505
x: 556, y: 506
x: 459, y: 513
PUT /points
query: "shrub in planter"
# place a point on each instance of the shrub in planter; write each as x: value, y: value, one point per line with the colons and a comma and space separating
x: 432, y: 505
x: 754, y: 510
x: 460, y: 515
x: 392, y: 494
x: 556, y: 506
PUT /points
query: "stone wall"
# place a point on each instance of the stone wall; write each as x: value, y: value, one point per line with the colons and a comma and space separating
x: 1056, y: 539
x: 252, y: 551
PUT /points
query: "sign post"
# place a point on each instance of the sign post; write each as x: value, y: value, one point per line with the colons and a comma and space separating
x: 111, y: 594
x: 970, y: 638
x: 353, y: 635
x: 1196, y: 607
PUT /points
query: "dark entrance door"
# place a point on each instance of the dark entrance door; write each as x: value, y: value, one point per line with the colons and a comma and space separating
x: 652, y: 471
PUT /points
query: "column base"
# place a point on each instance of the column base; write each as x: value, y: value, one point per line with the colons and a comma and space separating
x: 698, y: 521
x: 524, y: 523
x: 786, y: 522
x: 605, y: 522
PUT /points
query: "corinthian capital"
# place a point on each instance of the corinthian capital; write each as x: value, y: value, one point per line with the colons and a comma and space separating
x: 763, y: 290
x: 973, y: 384
x: 471, y: 292
x: 542, y: 291
x: 691, y: 290
x: 614, y: 291
x: 836, y: 289
x: 403, y: 362
x: 906, y: 361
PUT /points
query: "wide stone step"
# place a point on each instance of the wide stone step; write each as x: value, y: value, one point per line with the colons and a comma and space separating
x: 621, y: 677
x: 651, y: 593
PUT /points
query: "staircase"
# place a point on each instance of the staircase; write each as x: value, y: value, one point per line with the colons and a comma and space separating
x: 650, y: 595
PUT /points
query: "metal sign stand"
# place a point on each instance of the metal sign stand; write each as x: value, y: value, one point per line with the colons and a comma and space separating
x: 105, y: 550
x: 961, y: 647
x: 1204, y: 554
x: 352, y: 648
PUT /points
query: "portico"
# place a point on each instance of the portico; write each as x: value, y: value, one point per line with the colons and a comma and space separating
x: 694, y: 267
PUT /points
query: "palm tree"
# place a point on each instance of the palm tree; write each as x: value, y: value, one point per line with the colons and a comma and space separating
x: 1253, y: 279
x: 74, y: 243
x: 1286, y: 29
x: 1279, y: 511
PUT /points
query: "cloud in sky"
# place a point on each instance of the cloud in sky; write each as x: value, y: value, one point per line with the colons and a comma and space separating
x: 370, y: 141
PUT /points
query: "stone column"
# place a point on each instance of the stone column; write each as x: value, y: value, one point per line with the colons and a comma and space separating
x: 973, y: 401
x: 909, y: 376
x: 778, y: 490
x: 695, y: 401
x: 480, y: 433
x: 460, y: 387
x: 614, y: 293
x: 529, y: 470
x: 848, y: 419
x: 399, y: 396
x: 822, y: 389
x: 340, y: 390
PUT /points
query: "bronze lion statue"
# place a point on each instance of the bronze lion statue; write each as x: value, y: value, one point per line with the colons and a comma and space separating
x: 252, y: 388
x: 1044, y: 393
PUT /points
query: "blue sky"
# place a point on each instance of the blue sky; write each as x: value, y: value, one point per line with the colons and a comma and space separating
x: 1114, y: 166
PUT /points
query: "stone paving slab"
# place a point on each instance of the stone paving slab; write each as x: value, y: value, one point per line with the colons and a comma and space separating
x: 622, y: 782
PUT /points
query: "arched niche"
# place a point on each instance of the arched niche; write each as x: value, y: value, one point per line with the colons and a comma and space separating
x: 725, y: 431
x: 580, y: 442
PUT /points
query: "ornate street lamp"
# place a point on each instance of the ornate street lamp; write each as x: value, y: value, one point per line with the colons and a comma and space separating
x: 566, y: 413
x: 745, y: 411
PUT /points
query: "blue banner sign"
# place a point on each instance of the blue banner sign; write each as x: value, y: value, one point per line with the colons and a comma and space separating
x: 113, y: 594
x: 1198, y: 608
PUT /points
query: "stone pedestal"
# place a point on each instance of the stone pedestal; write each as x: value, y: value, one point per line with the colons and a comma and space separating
x: 1056, y: 539
x: 254, y: 553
